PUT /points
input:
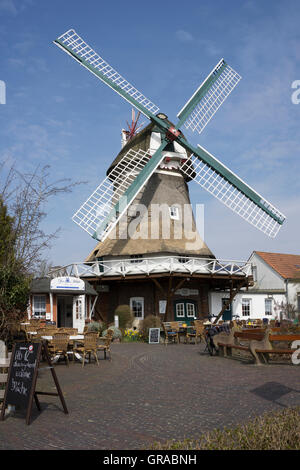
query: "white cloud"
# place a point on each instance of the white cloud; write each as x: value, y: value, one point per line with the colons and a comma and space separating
x: 184, y: 36
x: 14, y: 7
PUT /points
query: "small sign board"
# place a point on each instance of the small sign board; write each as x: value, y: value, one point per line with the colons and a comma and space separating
x: 162, y: 306
x: 22, y: 376
x: 67, y: 283
x: 154, y: 335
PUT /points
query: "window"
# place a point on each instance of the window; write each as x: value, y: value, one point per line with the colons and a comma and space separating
x: 174, y: 212
x: 137, y: 307
x: 190, y: 310
x: 180, y: 310
x: 39, y: 305
x: 268, y: 306
x: 254, y: 273
x: 246, y: 307
x: 183, y: 259
x: 78, y: 309
x: 136, y: 258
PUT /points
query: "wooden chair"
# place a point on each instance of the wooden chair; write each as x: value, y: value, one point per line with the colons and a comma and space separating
x: 105, y: 347
x: 171, y: 333
x: 59, y: 346
x: 89, y: 347
x: 197, y: 332
x: 69, y: 331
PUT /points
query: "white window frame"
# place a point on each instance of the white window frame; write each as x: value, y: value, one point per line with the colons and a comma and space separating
x: 34, y: 309
x: 248, y: 305
x: 269, y: 312
x: 188, y: 314
x: 131, y: 303
x: 174, y: 212
x: 180, y: 306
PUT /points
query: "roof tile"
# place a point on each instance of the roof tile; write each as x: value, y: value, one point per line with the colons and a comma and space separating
x: 287, y: 265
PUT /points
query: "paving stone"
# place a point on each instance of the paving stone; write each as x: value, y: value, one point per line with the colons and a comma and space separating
x: 149, y: 393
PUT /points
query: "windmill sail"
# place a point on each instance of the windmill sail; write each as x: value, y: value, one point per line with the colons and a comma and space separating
x: 101, y: 212
x: 207, y: 99
x: 71, y: 43
x: 104, y: 208
x: 232, y: 191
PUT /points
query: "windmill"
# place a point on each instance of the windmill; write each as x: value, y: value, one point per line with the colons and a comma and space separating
x: 102, y: 211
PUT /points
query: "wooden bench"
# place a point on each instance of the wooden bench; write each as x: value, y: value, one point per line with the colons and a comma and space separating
x: 261, y: 351
x: 234, y: 341
x: 237, y: 336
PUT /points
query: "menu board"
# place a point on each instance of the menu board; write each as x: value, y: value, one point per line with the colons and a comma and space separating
x: 22, y: 374
x: 154, y: 335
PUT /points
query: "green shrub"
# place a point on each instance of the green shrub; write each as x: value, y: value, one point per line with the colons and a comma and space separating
x: 151, y: 321
x: 96, y: 326
x: 117, y: 332
x: 279, y: 430
x: 125, y: 316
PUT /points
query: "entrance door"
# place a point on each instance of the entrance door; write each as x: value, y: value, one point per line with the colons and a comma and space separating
x: 79, y: 312
x: 64, y: 311
x: 185, y: 311
x: 227, y: 314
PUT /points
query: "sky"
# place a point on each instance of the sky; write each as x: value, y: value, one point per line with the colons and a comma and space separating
x: 58, y: 114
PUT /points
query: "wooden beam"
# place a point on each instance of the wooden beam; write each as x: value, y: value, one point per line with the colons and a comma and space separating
x: 233, y: 293
x: 169, y: 299
x: 159, y: 286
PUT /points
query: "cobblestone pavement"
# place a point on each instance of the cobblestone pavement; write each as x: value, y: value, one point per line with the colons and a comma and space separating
x: 149, y: 393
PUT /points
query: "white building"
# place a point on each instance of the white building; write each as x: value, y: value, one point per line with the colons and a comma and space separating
x: 276, y: 279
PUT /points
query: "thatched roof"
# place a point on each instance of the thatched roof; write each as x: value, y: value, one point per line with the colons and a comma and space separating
x: 161, y: 189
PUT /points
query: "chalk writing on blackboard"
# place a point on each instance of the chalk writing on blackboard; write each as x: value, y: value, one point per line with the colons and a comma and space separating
x: 22, y: 375
x: 154, y: 335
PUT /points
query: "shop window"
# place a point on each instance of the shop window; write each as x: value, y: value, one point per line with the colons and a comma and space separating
x: 39, y: 305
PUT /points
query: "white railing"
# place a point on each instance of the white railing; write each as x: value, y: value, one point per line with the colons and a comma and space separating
x: 146, y: 266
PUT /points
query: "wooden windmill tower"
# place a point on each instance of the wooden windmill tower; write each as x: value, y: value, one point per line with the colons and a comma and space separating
x: 153, y: 169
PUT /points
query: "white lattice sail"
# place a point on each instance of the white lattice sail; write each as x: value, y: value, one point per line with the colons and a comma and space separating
x: 71, y: 43
x: 94, y: 211
x: 207, y: 99
x: 232, y: 197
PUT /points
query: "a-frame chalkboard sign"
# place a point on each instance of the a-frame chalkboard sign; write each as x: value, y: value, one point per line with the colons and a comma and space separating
x: 22, y: 376
x: 154, y: 335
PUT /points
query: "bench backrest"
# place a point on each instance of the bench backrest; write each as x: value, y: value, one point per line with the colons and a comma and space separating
x: 249, y: 335
x: 291, y: 337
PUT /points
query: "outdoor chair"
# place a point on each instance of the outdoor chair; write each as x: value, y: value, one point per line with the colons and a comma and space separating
x: 58, y: 346
x: 89, y: 347
x: 41, y: 332
x: 171, y: 333
x: 70, y: 331
x: 105, y: 347
x: 197, y: 332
